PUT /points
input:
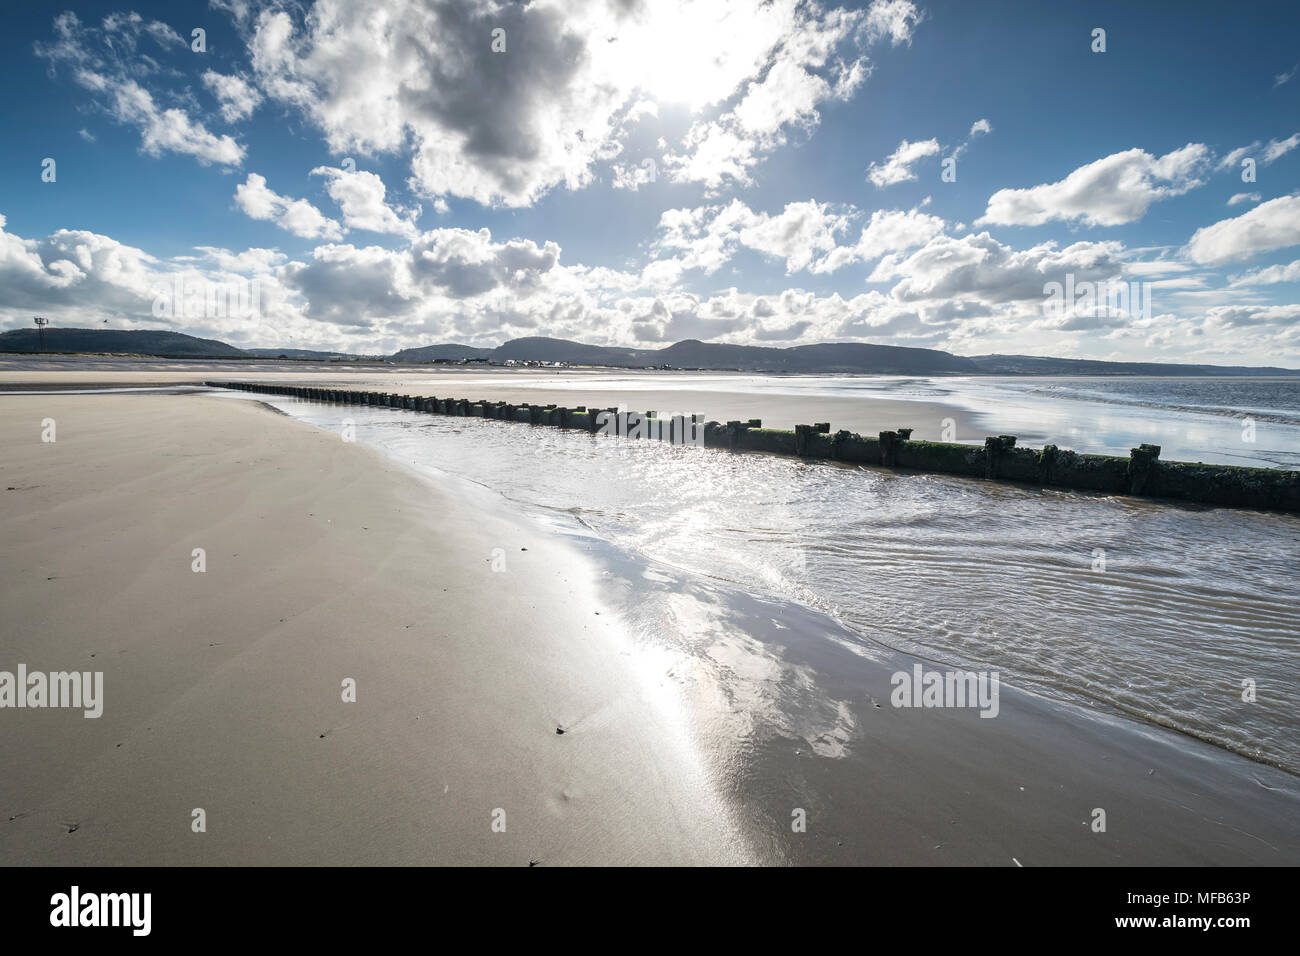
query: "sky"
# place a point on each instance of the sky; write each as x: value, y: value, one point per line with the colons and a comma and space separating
x: 1099, y: 180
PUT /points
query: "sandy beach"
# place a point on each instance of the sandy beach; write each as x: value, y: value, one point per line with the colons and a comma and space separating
x: 223, y: 688
x: 328, y: 560
x: 720, y: 397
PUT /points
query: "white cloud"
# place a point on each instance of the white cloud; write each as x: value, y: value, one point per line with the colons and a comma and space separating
x: 381, y: 76
x: 360, y: 196
x: 1156, y: 267
x: 1243, y: 316
x: 170, y: 130
x: 804, y: 234
x: 897, y: 167
x: 105, y: 61
x: 249, y: 262
x: 968, y: 296
x: 796, y: 235
x: 1268, y: 153
x: 980, y: 267
x: 1271, y: 225
x: 1238, y: 198
x: 633, y: 177
x: 893, y: 19
x: 785, y: 98
x: 980, y: 127
x: 1276, y: 148
x: 888, y: 232
x: 298, y: 216
x: 1287, y: 77
x: 238, y: 97
x: 1268, y: 276
x: 1112, y: 191
x: 702, y: 238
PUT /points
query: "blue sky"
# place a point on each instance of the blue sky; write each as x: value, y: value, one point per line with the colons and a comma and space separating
x: 380, y: 175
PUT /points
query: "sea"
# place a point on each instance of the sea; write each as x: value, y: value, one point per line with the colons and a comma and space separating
x: 1175, y: 616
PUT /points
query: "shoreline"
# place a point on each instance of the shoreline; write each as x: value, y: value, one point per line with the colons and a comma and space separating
x: 888, y: 786
x: 1139, y: 475
x: 1105, y: 756
x: 883, y: 779
x: 323, y: 561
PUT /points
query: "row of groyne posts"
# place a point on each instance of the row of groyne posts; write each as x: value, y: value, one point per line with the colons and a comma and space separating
x: 1142, y: 473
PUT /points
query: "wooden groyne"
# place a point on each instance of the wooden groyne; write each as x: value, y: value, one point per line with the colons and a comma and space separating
x: 1142, y: 473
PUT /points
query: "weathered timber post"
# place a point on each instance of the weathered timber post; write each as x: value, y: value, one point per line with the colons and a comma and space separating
x: 1046, y: 462
x: 838, y: 439
x: 994, y: 449
x: 1142, y: 464
x: 801, y: 433
x: 735, y: 431
x: 888, y: 449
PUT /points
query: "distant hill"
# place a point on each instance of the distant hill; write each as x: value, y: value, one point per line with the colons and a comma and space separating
x: 823, y: 358
x: 1036, y: 365
x: 124, y: 341
x: 317, y: 355
x: 441, y: 353
x: 694, y: 354
x: 541, y: 349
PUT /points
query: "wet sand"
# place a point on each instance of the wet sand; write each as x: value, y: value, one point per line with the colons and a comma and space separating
x: 883, y: 785
x: 223, y: 688
x: 633, y: 389
x: 327, y: 560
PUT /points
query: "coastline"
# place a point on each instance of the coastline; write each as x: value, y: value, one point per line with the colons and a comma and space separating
x: 24, y: 373
x: 323, y: 562
x: 878, y: 785
x: 794, y: 711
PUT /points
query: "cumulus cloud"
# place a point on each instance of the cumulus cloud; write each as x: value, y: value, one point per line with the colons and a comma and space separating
x: 236, y: 96
x: 1269, y: 275
x: 1243, y: 316
x: 966, y: 295
x: 361, y: 196
x: 73, y: 269
x: 1112, y: 191
x: 703, y: 238
x: 1238, y: 198
x: 1264, y: 154
x: 786, y: 97
x: 894, y: 20
x: 505, y: 126
x: 170, y: 130
x: 897, y: 167
x: 980, y: 267
x: 981, y: 127
x: 106, y: 61
x: 1271, y: 225
x: 889, y: 231
x: 298, y: 216
x: 804, y: 234
x: 81, y: 278
x: 633, y: 177
x: 796, y: 235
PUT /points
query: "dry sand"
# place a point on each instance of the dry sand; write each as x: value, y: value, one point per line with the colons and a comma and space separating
x: 716, y: 401
x: 223, y: 688
x: 326, y: 560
